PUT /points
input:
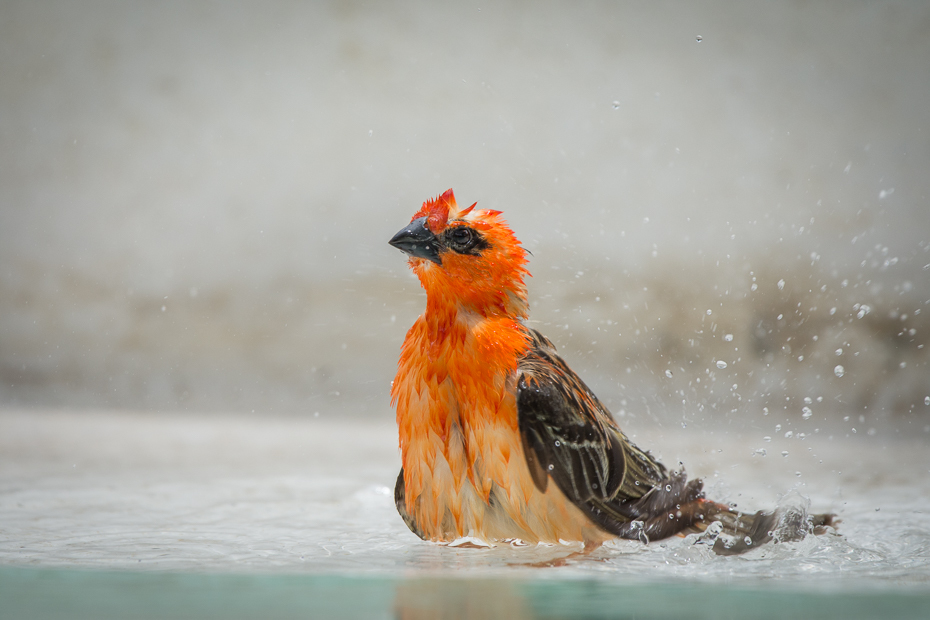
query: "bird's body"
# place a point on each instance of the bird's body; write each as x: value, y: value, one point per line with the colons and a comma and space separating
x: 499, y: 438
x: 465, y: 472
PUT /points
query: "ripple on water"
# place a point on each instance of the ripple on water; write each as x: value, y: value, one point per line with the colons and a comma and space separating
x: 320, y: 511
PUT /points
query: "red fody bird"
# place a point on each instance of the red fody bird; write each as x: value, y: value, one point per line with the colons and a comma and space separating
x: 500, y: 440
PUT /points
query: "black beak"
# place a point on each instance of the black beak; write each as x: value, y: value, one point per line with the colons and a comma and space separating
x: 417, y: 240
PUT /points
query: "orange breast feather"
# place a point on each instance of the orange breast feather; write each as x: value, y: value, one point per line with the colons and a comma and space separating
x: 465, y: 473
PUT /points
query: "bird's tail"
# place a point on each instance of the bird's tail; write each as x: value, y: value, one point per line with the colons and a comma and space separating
x: 732, y: 532
x: 677, y: 505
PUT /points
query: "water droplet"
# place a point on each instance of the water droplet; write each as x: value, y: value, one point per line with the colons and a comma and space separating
x: 839, y: 371
x: 721, y: 364
x: 728, y: 337
x: 927, y: 400
x: 699, y: 38
x: 781, y: 285
x: 668, y: 373
x: 806, y: 412
x: 558, y: 443
x: 668, y: 488
x: 163, y: 308
x: 784, y: 453
x: 551, y: 467
x: 748, y: 541
x: 789, y: 434
x: 616, y: 105
x: 767, y: 438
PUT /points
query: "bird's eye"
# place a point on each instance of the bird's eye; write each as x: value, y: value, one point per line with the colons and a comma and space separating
x: 464, y: 240
x: 460, y: 235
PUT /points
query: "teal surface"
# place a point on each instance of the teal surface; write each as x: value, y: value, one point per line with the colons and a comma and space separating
x: 53, y: 594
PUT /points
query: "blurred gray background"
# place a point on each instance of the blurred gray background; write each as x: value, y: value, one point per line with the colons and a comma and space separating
x: 727, y: 203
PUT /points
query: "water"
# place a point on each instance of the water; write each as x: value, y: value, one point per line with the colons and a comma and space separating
x: 233, y: 516
x: 283, y: 497
x: 64, y: 594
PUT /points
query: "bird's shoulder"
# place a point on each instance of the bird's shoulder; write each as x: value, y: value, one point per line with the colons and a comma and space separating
x: 570, y: 436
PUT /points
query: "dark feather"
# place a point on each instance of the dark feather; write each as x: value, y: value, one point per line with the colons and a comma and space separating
x: 569, y: 436
x: 401, y: 504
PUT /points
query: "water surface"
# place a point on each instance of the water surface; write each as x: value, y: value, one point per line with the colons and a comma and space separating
x: 238, y: 494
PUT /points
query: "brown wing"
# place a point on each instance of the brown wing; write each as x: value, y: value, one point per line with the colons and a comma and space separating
x: 569, y: 436
x: 401, y: 504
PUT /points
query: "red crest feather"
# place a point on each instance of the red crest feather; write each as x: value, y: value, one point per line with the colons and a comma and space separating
x: 437, y: 211
x: 465, y: 212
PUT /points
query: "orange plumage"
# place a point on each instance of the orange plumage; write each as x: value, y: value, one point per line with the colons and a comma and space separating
x: 499, y: 438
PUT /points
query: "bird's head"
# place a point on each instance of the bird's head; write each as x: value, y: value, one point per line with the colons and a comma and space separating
x: 468, y: 257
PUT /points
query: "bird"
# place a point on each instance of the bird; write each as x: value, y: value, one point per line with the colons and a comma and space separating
x: 500, y: 440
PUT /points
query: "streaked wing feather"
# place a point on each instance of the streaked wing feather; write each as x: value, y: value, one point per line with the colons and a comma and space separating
x: 563, y: 431
x: 401, y: 504
x: 569, y: 436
